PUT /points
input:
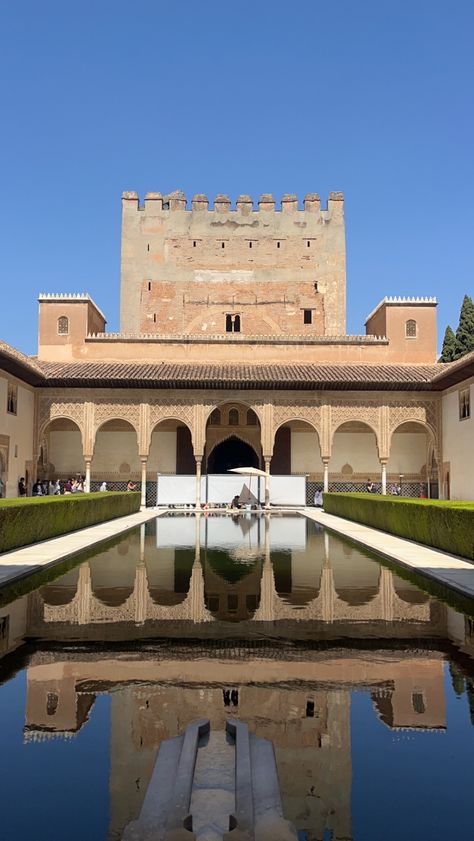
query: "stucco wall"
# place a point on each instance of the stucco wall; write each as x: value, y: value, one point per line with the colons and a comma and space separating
x: 65, y: 452
x: 305, y: 452
x: 458, y: 444
x: 162, y: 457
x: 16, y: 433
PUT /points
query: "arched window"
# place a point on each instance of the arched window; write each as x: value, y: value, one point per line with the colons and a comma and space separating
x: 410, y: 329
x: 233, y: 417
x: 63, y: 325
x: 215, y: 418
x: 252, y: 419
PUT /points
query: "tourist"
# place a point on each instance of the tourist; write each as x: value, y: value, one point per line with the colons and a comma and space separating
x: 235, y: 502
x: 68, y: 486
x: 80, y: 485
x: 103, y: 486
x: 369, y: 487
x: 318, y: 498
x: 37, y: 489
x: 131, y: 485
x: 22, y: 490
x: 57, y: 488
x: 393, y: 490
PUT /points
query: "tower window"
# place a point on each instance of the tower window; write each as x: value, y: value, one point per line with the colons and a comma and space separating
x: 149, y: 286
x: 222, y: 244
x: 315, y: 285
x: 418, y: 703
x: 308, y: 243
x: 250, y: 244
x: 154, y: 317
x: 194, y: 243
x: 307, y: 316
x: 410, y: 329
x: 63, y: 325
x: 12, y: 398
x: 309, y: 709
x: 148, y: 247
x: 232, y: 323
x: 278, y: 244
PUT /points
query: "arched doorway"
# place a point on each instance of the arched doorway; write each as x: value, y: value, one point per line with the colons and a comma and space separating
x: 354, y: 458
x: 115, y: 459
x: 412, y: 465
x: 233, y: 452
x: 233, y: 438
x: 60, y: 451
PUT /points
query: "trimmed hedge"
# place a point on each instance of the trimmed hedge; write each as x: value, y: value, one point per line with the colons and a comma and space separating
x: 443, y: 524
x: 26, y: 521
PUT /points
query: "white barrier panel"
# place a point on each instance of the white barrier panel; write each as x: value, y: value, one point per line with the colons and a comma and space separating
x: 223, y: 487
x: 287, y: 532
x: 179, y: 531
x: 244, y: 530
x: 288, y: 490
x: 177, y: 490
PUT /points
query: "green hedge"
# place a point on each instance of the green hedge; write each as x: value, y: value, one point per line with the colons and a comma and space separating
x: 444, y: 524
x: 26, y: 521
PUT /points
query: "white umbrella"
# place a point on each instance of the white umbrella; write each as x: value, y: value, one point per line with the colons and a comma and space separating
x: 249, y: 471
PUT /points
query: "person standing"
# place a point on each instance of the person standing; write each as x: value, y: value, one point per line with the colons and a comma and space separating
x: 22, y: 491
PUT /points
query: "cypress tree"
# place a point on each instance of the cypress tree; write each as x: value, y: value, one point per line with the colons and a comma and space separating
x: 465, y: 331
x: 449, y: 346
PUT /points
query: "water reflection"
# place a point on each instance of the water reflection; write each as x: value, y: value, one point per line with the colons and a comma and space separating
x: 269, y: 620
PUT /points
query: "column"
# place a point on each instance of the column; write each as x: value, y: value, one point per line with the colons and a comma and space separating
x: 267, y: 483
x: 143, y: 481
x: 87, y: 482
x: 198, y: 483
x: 383, y: 465
x: 326, y: 474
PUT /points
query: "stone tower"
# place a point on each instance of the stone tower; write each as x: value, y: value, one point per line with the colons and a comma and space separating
x: 213, y: 271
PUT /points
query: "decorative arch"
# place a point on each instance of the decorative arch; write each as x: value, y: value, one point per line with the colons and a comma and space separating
x: 240, y: 436
x: 234, y: 402
x: 427, y: 426
x: 356, y: 419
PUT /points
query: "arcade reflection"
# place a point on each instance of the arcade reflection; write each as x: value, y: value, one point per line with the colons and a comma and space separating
x: 264, y: 618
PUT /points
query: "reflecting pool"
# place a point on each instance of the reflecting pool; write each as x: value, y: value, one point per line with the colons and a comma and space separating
x: 363, y: 681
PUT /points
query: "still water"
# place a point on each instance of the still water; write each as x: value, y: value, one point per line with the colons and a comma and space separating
x: 363, y: 681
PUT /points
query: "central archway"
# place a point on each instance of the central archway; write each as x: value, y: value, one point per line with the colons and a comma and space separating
x: 233, y: 452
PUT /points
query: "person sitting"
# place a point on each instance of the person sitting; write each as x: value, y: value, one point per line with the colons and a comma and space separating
x: 37, y: 489
x: 103, y: 486
x: 235, y: 502
x: 131, y: 485
x: 369, y: 487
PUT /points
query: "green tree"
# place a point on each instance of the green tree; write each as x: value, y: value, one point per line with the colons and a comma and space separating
x: 449, y: 346
x: 465, y: 331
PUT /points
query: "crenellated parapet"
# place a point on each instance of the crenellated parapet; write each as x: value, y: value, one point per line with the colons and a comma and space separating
x: 289, y: 203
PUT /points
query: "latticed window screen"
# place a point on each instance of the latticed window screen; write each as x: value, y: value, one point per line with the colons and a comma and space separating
x: 215, y: 418
x: 63, y: 325
x: 410, y: 329
x: 233, y: 417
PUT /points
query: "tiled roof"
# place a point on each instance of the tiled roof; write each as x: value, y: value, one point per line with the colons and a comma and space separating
x: 24, y: 367
x: 170, y: 375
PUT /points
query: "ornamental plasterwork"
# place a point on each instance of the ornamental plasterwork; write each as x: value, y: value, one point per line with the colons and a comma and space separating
x: 50, y: 408
x: 126, y: 410
x: 297, y: 411
x: 426, y: 412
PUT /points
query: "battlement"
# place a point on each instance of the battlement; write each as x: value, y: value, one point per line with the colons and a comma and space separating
x: 399, y: 301
x: 69, y: 298
x: 289, y: 203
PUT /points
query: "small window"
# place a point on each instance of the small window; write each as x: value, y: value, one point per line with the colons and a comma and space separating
x: 63, y: 325
x: 278, y: 244
x: 464, y: 404
x: 149, y: 286
x: 410, y: 329
x: 250, y: 244
x: 232, y: 601
x: 232, y: 323
x: 310, y: 709
x: 194, y: 243
x: 222, y: 244
x: 418, y: 703
x: 307, y: 316
x: 12, y: 398
x: 154, y: 317
x: 315, y: 285
x: 252, y: 419
x: 148, y: 247
x: 308, y: 243
x: 233, y: 417
x: 215, y: 418
x: 52, y: 701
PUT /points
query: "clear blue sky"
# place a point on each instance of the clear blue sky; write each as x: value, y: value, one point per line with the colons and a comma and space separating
x: 374, y: 98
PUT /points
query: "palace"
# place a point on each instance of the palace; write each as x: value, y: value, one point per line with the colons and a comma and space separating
x: 233, y: 351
